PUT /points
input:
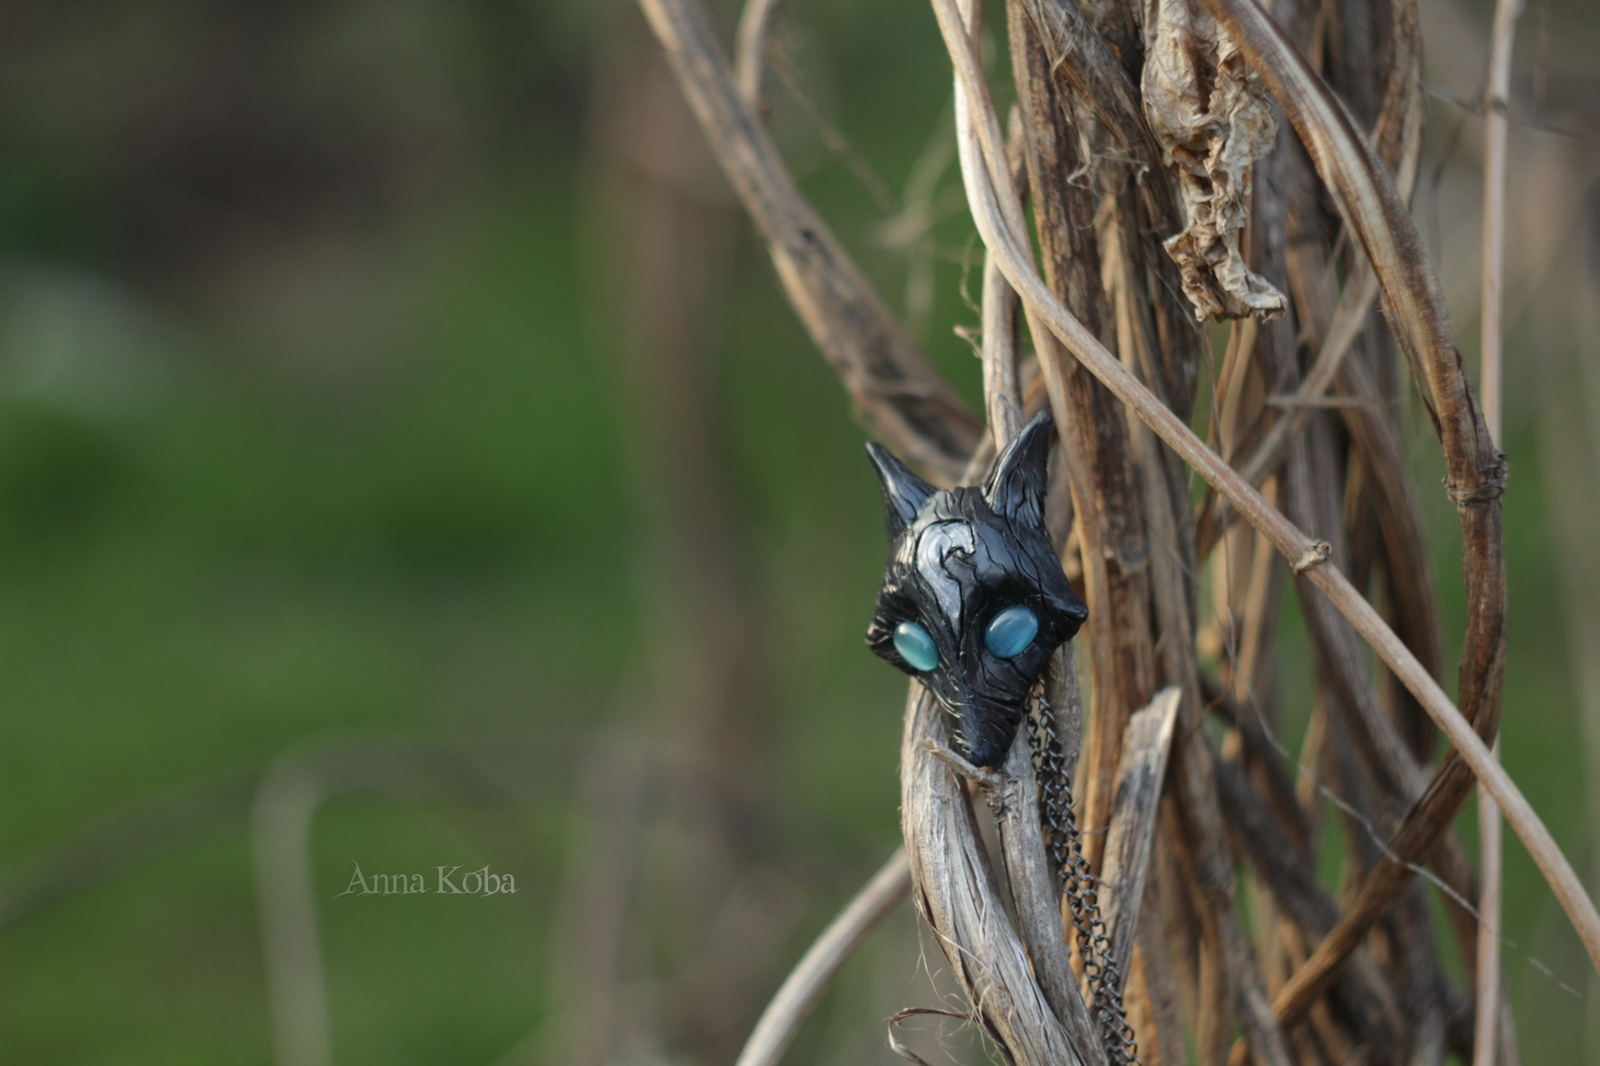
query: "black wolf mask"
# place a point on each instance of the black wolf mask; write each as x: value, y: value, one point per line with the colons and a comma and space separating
x: 973, y: 601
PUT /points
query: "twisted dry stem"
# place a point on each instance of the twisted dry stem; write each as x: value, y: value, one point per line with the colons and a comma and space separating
x: 957, y: 894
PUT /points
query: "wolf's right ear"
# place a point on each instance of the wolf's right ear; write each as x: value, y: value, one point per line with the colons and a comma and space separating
x: 1016, y: 488
x: 904, y: 493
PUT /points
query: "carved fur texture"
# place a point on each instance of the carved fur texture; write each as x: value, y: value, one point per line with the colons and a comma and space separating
x: 957, y: 558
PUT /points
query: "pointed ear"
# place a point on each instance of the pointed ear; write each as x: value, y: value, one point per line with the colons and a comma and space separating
x: 904, y: 493
x: 1016, y: 488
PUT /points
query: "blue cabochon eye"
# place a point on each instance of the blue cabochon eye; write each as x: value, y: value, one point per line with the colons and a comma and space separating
x: 1011, y: 631
x: 915, y: 646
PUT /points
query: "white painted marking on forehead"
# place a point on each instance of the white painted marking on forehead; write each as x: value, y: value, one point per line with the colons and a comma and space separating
x: 936, y: 544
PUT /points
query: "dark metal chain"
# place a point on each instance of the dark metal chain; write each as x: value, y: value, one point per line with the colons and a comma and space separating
x: 1078, y: 884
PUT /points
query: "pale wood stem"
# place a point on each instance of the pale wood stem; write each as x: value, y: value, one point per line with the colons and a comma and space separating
x: 1487, y: 1013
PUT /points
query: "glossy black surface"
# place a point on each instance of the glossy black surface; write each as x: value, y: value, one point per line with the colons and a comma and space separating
x: 957, y: 558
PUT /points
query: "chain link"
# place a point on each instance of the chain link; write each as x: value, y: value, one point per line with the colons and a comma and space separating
x: 1078, y: 883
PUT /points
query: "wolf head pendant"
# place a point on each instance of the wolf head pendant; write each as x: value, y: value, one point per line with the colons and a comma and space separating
x: 973, y: 601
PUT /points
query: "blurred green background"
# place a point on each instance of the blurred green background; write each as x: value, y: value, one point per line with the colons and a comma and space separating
x: 347, y: 422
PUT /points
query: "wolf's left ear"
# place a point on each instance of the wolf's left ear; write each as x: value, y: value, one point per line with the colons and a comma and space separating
x: 904, y: 493
x: 1017, y: 486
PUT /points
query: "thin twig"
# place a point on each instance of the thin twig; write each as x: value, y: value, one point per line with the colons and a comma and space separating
x: 804, y: 986
x: 121, y: 839
x: 833, y: 137
x: 280, y: 829
x: 962, y: 766
x: 1001, y: 393
x: 1349, y: 318
x: 1487, y: 992
x: 1398, y: 136
x: 1288, y: 871
x: 1487, y: 1013
x: 1439, y: 92
x: 1494, y: 206
x: 750, y: 50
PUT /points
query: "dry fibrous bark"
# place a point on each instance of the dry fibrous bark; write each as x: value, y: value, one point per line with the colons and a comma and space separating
x: 1144, y: 140
x: 1105, y: 492
x: 1141, y: 774
x: 955, y: 889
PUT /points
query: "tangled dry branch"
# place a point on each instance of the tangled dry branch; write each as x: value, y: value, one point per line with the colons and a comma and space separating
x: 1143, y: 138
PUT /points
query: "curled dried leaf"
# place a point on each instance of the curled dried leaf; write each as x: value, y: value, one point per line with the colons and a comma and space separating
x: 1213, y: 121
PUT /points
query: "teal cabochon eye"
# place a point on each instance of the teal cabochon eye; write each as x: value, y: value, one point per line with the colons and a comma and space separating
x: 915, y: 646
x: 1010, y: 632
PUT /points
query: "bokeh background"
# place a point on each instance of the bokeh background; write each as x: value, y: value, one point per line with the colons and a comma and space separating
x: 398, y: 419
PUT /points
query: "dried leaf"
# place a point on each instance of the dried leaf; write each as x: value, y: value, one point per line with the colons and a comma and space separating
x: 1213, y: 122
